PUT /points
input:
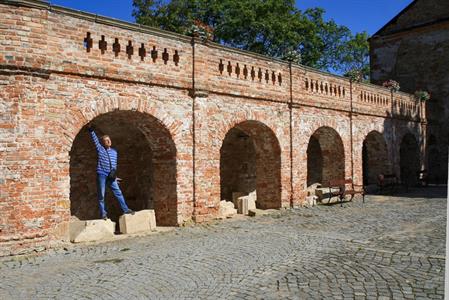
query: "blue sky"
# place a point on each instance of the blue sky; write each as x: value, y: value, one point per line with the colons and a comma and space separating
x: 358, y: 15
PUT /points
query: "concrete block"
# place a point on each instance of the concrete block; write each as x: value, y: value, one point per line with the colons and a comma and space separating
x: 62, y: 231
x: 235, y: 197
x: 152, y: 219
x: 311, y: 189
x: 252, y: 202
x: 141, y: 221
x: 256, y: 212
x: 91, y: 230
x: 310, y: 201
x: 261, y: 212
x: 227, y: 209
x: 244, y: 204
x: 253, y: 196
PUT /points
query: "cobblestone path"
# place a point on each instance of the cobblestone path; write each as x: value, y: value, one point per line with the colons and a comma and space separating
x: 387, y: 248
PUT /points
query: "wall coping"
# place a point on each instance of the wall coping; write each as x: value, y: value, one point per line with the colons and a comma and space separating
x: 45, y: 5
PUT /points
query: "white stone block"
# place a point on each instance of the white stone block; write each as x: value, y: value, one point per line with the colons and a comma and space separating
x: 91, y: 230
x: 257, y: 212
x: 141, y: 221
x: 244, y: 204
x: 235, y: 197
x: 253, y: 197
x: 311, y: 189
x: 227, y: 209
x: 310, y: 201
x: 152, y: 219
x: 251, y: 202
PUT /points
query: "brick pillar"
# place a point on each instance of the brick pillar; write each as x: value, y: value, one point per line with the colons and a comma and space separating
x: 423, y: 144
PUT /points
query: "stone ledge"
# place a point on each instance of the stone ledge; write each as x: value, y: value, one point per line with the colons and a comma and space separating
x: 246, y: 203
x: 261, y: 212
x: 83, y: 15
x: 141, y: 221
x: 91, y: 230
x: 227, y: 210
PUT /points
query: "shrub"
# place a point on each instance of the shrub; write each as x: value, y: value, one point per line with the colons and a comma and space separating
x: 392, y: 85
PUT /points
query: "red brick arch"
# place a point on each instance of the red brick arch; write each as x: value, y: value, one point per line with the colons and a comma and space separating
x: 77, y: 117
x: 332, y: 122
x: 325, y: 156
x: 374, y: 157
x: 237, y: 118
x: 250, y: 159
x: 147, y: 164
x: 402, y: 132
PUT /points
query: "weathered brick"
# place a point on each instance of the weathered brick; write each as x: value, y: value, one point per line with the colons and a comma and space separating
x: 188, y: 134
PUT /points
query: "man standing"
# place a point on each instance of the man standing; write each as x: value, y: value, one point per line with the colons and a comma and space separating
x: 106, y: 168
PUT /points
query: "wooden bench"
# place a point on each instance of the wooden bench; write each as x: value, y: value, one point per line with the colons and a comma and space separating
x: 345, y: 187
x: 387, y: 181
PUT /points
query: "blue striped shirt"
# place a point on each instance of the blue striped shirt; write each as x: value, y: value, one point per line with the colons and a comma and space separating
x: 103, y: 166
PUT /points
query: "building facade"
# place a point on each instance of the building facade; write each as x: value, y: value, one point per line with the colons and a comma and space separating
x: 413, y: 49
x: 193, y: 122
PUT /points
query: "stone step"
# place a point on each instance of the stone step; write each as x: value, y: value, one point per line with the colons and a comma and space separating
x: 227, y: 210
x: 261, y: 212
x: 141, y: 221
x: 91, y: 230
x: 244, y: 204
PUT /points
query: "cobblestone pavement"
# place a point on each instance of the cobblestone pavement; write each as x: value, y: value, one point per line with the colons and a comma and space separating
x: 386, y: 248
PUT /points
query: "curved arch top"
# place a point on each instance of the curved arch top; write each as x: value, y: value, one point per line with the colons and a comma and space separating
x: 78, y: 116
x: 250, y: 164
x: 325, y: 156
x: 375, y: 160
x: 146, y: 163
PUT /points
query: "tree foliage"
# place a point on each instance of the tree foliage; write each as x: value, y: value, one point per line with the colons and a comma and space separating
x: 270, y: 27
x: 354, y: 57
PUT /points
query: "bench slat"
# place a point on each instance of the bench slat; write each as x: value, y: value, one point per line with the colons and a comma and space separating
x: 343, y: 190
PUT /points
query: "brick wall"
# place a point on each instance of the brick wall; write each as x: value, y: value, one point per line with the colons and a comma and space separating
x: 374, y: 157
x: 192, y: 123
x: 238, y: 171
x: 413, y: 50
x: 325, y: 156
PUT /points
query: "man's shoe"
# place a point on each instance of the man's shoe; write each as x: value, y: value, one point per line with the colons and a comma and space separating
x: 130, y: 212
x: 105, y: 217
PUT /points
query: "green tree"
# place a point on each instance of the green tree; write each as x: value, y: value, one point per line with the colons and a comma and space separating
x: 271, y: 27
x: 354, y: 57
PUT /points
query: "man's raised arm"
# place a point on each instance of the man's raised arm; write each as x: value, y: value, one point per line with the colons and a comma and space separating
x: 94, y: 137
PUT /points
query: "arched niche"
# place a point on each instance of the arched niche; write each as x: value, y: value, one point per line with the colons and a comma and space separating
x: 250, y: 160
x: 146, y: 164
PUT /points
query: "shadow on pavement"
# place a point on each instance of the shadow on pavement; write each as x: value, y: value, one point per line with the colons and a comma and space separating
x: 439, y: 191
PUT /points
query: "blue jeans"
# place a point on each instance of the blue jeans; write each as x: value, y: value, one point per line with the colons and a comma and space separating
x: 102, y: 181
